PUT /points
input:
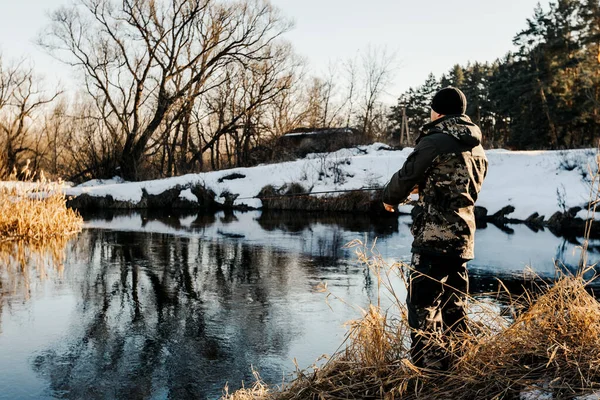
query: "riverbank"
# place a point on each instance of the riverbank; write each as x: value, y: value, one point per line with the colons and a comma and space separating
x: 543, y: 189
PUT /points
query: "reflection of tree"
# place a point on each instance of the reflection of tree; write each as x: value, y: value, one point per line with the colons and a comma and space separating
x: 171, y: 218
x: 167, y: 316
x: 181, y: 314
x: 290, y: 221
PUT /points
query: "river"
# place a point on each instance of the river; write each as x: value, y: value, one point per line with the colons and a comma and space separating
x: 157, y: 306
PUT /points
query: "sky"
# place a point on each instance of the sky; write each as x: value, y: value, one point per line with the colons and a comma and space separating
x: 425, y: 36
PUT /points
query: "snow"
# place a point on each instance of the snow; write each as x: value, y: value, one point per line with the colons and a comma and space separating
x: 531, y: 181
x: 537, y: 394
x: 98, y: 182
x: 188, y: 195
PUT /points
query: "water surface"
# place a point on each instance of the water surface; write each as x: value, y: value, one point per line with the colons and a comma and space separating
x: 151, y: 306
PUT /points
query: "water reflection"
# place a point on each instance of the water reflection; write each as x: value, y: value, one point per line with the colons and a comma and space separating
x: 164, y: 312
x: 173, y: 306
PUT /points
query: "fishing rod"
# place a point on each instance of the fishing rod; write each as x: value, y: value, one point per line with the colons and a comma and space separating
x: 279, y: 196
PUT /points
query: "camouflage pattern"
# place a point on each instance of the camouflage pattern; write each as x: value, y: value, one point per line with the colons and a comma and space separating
x: 446, y: 224
x: 448, y: 165
x: 436, y: 305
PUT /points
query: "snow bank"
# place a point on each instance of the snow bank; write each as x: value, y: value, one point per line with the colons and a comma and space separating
x: 531, y: 181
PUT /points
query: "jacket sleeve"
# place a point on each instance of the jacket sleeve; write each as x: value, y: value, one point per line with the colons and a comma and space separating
x: 412, y: 172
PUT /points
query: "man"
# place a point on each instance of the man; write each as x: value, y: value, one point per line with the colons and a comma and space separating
x: 446, y: 168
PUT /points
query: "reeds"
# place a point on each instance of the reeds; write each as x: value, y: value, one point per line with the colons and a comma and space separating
x: 35, y: 226
x: 34, y: 211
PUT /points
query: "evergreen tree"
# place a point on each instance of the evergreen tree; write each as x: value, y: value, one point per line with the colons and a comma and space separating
x: 545, y: 94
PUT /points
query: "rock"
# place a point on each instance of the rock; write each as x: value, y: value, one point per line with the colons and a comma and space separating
x: 535, y: 219
x: 87, y: 202
x: 231, y: 177
x: 573, y: 211
x: 480, y: 213
x: 556, y: 220
x: 164, y: 200
x: 500, y: 216
x: 535, y: 222
x: 206, y: 198
x: 229, y: 198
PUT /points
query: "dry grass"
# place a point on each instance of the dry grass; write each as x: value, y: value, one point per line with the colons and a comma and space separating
x: 35, y: 226
x: 35, y: 211
x: 552, y: 345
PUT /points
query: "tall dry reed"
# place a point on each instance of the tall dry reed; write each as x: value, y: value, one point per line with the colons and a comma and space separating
x: 35, y: 226
x: 34, y: 210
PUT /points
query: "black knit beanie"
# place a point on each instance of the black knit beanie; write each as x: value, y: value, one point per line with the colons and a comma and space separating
x: 449, y: 101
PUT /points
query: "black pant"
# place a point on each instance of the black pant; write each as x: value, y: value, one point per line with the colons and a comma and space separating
x: 438, y: 287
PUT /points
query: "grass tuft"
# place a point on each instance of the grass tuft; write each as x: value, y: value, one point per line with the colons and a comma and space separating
x: 35, y: 211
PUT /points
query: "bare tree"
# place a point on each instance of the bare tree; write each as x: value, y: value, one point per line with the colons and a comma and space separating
x: 376, y: 75
x: 351, y: 71
x: 21, y: 98
x: 287, y: 111
x: 237, y: 109
x: 143, y: 60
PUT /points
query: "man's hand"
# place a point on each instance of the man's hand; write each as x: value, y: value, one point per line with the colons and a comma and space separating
x: 389, y: 208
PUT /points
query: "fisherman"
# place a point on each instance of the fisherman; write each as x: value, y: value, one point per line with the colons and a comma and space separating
x: 446, y: 169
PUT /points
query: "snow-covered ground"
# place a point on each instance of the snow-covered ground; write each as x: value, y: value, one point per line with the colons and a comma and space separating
x: 531, y: 181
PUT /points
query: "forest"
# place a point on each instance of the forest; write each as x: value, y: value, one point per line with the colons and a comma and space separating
x: 165, y: 88
x: 543, y: 95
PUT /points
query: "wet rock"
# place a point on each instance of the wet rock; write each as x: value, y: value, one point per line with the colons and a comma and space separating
x: 564, y: 224
x: 481, y: 217
x: 535, y: 219
x: 480, y: 212
x: 556, y: 220
x: 535, y: 222
x: 573, y: 211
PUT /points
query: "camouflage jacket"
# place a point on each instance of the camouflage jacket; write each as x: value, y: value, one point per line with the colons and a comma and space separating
x: 448, y: 165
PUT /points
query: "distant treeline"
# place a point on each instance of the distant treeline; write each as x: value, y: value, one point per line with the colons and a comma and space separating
x: 544, y: 95
x: 169, y: 87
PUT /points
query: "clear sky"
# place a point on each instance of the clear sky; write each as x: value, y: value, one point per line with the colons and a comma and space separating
x: 427, y: 35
